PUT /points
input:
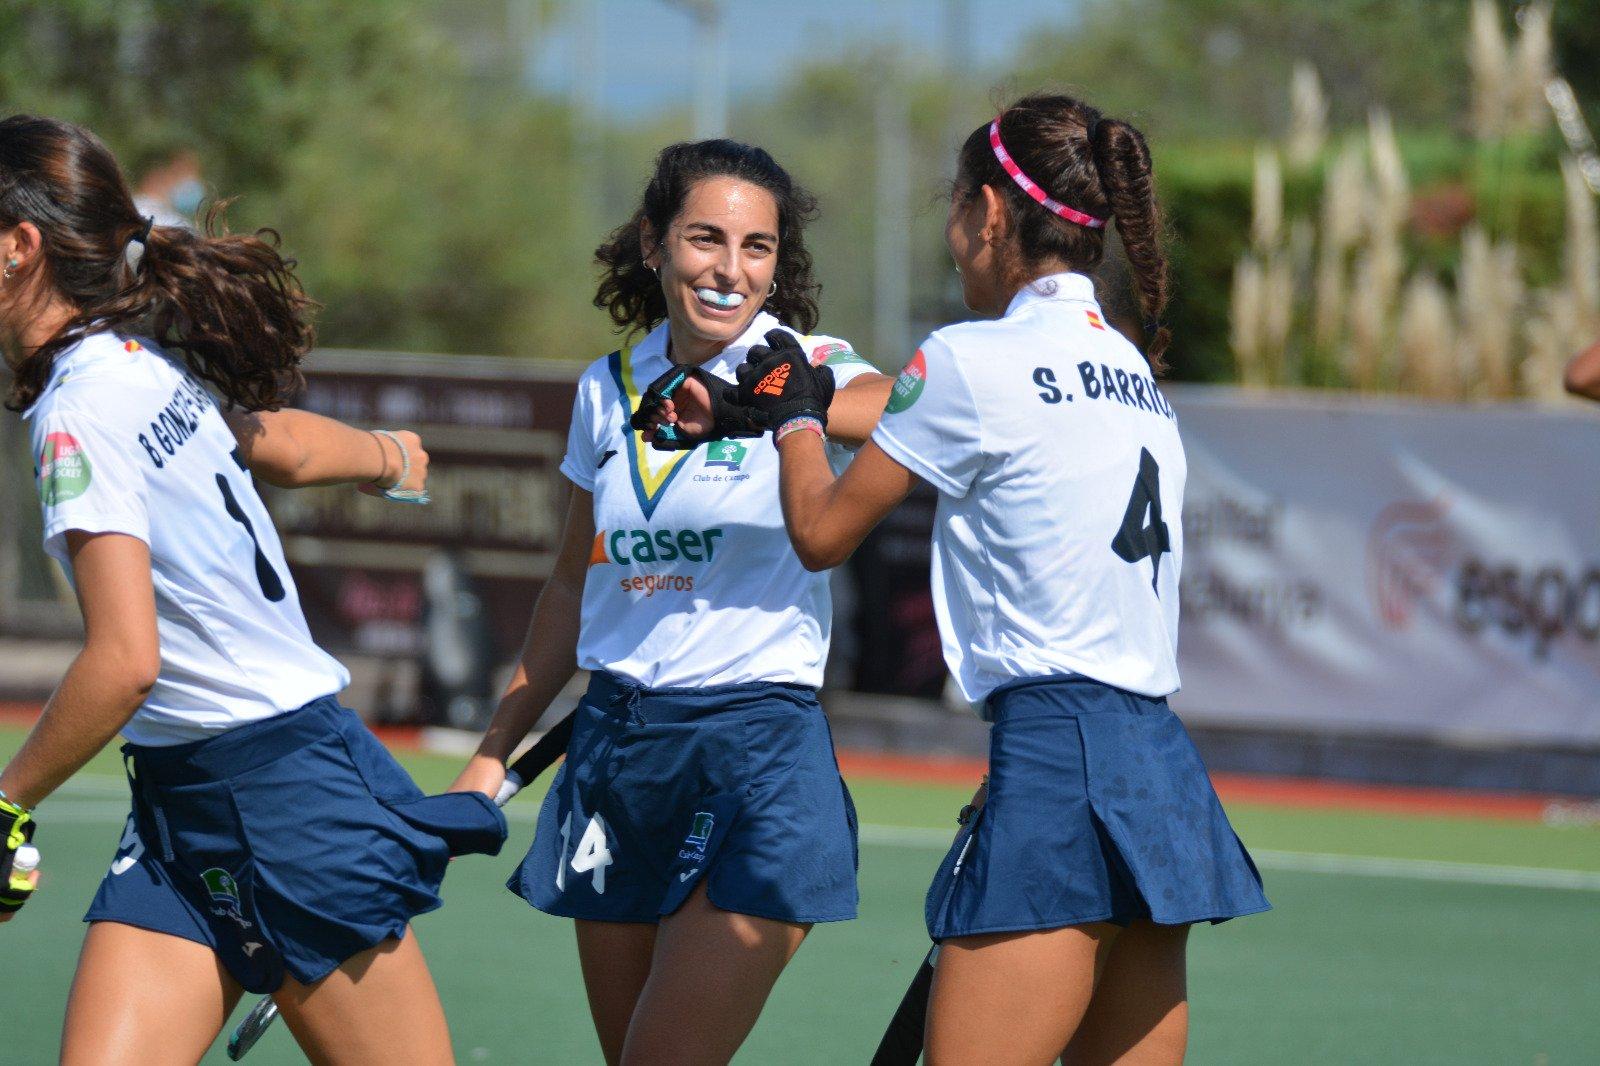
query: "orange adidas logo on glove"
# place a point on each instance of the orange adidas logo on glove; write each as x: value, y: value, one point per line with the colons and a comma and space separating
x: 772, y: 384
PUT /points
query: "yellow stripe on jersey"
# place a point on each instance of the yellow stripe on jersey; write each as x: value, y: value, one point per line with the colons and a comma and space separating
x: 649, y: 483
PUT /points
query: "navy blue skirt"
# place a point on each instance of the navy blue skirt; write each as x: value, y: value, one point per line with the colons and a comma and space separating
x: 286, y: 846
x: 736, y: 785
x: 1099, y: 810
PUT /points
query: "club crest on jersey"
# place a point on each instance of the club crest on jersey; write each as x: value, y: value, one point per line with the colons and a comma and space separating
x: 694, y: 845
x: 221, y: 885
x: 224, y: 892
x: 909, y: 385
x: 63, y: 469
x: 727, y: 454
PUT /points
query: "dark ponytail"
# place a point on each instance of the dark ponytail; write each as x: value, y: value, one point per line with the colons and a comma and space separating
x: 1095, y: 165
x: 1122, y: 160
x: 228, y: 304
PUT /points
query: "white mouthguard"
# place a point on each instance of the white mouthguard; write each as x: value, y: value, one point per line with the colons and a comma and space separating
x: 720, y: 299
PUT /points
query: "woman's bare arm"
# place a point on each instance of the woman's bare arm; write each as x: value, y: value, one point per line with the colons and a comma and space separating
x: 108, y: 679
x: 293, y: 449
x: 549, y: 653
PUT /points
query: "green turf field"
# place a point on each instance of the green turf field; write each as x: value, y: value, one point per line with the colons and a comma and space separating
x: 1395, y: 940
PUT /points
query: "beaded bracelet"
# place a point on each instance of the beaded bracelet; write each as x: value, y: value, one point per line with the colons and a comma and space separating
x: 797, y: 424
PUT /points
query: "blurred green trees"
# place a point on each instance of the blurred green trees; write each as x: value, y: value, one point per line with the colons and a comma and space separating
x: 437, y: 203
x: 428, y: 203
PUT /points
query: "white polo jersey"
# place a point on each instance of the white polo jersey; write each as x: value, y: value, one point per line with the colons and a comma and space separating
x: 125, y: 440
x: 692, y: 580
x: 1058, y: 537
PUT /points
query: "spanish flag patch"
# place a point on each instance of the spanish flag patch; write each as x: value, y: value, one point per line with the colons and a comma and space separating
x: 1094, y: 319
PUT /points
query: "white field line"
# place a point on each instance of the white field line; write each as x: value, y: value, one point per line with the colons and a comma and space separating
x: 87, y: 799
x: 84, y: 812
x: 85, y: 803
x: 1320, y: 863
x: 94, y: 785
x: 1428, y: 870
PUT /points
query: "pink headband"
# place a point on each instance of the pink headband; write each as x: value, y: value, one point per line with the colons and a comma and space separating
x: 1032, y: 189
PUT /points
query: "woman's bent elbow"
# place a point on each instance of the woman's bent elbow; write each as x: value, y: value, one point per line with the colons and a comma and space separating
x: 141, y: 677
x: 816, y: 559
x: 130, y: 671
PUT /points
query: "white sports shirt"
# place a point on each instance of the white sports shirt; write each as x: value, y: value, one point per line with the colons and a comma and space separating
x: 125, y: 440
x: 692, y: 580
x: 1058, y: 539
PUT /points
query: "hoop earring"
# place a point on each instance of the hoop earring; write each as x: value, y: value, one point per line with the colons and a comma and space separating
x: 772, y: 291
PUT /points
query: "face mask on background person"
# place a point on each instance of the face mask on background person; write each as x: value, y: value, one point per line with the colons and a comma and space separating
x: 186, y: 196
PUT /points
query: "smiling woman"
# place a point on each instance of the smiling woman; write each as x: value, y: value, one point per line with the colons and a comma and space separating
x: 699, y: 826
x: 727, y: 224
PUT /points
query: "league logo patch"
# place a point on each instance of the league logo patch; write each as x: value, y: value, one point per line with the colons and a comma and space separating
x: 833, y: 354
x: 727, y: 454
x: 63, y: 469
x: 909, y: 385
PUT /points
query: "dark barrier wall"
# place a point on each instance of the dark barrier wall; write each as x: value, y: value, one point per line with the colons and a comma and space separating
x: 495, y: 431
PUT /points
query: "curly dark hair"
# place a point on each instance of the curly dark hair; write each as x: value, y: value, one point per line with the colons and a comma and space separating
x: 1095, y: 164
x: 228, y: 304
x: 630, y: 292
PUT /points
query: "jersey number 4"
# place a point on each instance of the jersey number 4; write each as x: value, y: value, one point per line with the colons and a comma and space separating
x: 593, y: 854
x: 1138, y: 539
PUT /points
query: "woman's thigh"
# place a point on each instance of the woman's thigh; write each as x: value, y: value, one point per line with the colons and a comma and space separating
x: 615, y: 957
x: 710, y: 977
x: 1013, y: 998
x: 141, y: 997
x: 1140, y: 1012
x: 378, y: 1006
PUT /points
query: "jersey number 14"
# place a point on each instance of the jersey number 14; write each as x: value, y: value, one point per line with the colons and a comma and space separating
x: 1138, y: 539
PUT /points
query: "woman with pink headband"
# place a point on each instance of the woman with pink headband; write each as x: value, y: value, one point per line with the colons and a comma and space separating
x: 1062, y: 911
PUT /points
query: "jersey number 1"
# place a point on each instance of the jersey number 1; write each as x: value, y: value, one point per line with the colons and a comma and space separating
x: 266, y: 576
x: 1137, y: 540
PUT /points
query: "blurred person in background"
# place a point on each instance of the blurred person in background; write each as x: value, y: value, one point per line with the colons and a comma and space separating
x: 458, y: 659
x: 1062, y: 910
x: 699, y: 826
x: 274, y: 845
x: 1583, y: 373
x: 171, y: 191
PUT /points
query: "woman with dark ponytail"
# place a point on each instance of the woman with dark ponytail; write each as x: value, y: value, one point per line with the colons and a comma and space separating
x: 273, y: 844
x: 1063, y: 908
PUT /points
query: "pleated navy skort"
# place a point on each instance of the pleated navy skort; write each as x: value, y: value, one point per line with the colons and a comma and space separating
x: 734, y: 785
x: 1099, y: 810
x: 287, y: 845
